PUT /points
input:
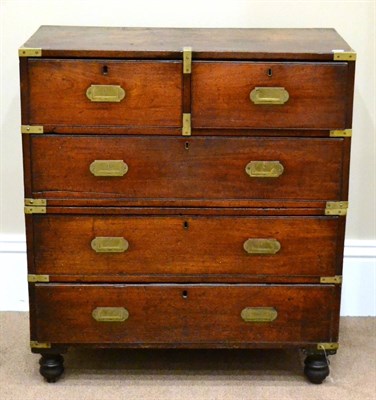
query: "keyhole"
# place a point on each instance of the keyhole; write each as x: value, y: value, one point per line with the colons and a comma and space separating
x: 186, y: 225
x: 184, y: 294
x: 270, y: 72
x: 104, y: 70
x: 186, y: 145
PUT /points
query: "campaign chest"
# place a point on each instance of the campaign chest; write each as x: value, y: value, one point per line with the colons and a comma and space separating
x: 185, y: 188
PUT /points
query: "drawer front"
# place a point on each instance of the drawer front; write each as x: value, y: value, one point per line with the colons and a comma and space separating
x: 185, y: 246
x: 105, y: 93
x: 308, y: 95
x: 196, y: 168
x: 156, y: 314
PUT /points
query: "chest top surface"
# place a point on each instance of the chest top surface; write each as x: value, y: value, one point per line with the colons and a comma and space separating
x: 206, y: 43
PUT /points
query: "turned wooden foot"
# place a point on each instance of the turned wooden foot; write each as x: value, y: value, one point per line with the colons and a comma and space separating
x: 51, y: 367
x: 316, y: 368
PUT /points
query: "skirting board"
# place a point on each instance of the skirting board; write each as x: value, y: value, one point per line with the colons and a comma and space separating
x: 358, y: 292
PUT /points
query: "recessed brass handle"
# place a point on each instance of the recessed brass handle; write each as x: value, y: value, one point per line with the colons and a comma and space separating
x: 110, y: 314
x: 262, y: 246
x: 108, y: 168
x: 259, y: 314
x: 269, y: 95
x: 105, y: 93
x: 264, y: 169
x: 108, y: 244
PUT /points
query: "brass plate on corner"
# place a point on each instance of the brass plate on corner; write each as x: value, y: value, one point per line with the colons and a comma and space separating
x: 110, y: 314
x: 269, y: 95
x: 259, y: 314
x: 108, y: 244
x: 187, y: 60
x: 39, y: 345
x: 31, y: 278
x: 35, y: 202
x: 108, y: 168
x: 32, y: 129
x: 336, y: 208
x: 186, y: 130
x: 105, y: 93
x: 335, y: 280
x: 262, y: 246
x: 327, y: 346
x: 29, y: 52
x: 340, y: 55
x: 264, y: 169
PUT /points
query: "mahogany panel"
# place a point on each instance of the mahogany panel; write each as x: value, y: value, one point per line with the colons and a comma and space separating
x: 153, y: 93
x: 211, y: 168
x: 173, y: 314
x: 317, y: 95
x: 185, y: 245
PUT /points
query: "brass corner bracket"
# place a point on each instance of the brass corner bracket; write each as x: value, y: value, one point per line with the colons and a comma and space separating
x: 341, y: 133
x: 336, y: 208
x: 39, y: 345
x: 187, y: 60
x: 341, y: 55
x: 327, y: 346
x: 31, y: 278
x: 35, y: 206
x: 30, y: 52
x: 334, y: 280
x: 31, y: 129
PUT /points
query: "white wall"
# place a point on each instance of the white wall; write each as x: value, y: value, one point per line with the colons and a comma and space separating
x: 354, y: 20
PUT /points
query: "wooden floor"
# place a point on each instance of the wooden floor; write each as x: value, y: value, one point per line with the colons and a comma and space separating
x: 193, y: 375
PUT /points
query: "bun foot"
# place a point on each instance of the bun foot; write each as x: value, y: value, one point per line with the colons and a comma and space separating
x: 316, y: 368
x: 51, y: 367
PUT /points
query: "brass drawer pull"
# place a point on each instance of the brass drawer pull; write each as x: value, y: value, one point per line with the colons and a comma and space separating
x: 108, y: 168
x: 107, y: 244
x: 110, y: 314
x: 269, y: 95
x: 264, y: 169
x: 105, y: 93
x: 259, y: 314
x: 262, y: 246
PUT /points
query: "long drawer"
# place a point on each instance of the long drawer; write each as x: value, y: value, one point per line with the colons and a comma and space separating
x: 211, y: 247
x: 162, y: 314
x: 211, y: 168
x: 105, y: 93
x: 269, y: 95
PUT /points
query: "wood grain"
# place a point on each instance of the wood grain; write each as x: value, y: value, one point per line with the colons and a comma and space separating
x: 162, y: 168
x: 160, y: 313
x: 317, y: 95
x: 58, y: 93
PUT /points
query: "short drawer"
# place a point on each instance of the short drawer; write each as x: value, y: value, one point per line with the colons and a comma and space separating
x: 105, y: 93
x: 142, y: 315
x: 188, y: 247
x: 269, y: 95
x: 165, y: 168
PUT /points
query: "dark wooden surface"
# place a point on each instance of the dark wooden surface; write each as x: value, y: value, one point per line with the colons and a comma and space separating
x: 172, y: 180
x: 221, y: 95
x: 153, y: 89
x: 287, y: 44
x: 185, y: 245
x: 162, y: 168
x: 160, y: 313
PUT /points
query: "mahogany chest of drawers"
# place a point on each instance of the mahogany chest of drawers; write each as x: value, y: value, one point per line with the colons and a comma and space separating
x: 185, y: 188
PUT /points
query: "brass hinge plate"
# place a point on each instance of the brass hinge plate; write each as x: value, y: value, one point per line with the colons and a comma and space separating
x: 35, y: 206
x: 186, y: 131
x: 31, y: 129
x: 327, y: 346
x: 336, y: 208
x: 341, y: 133
x: 38, y: 278
x: 187, y: 60
x: 336, y: 280
x: 341, y: 55
x: 30, y: 52
x: 39, y: 345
